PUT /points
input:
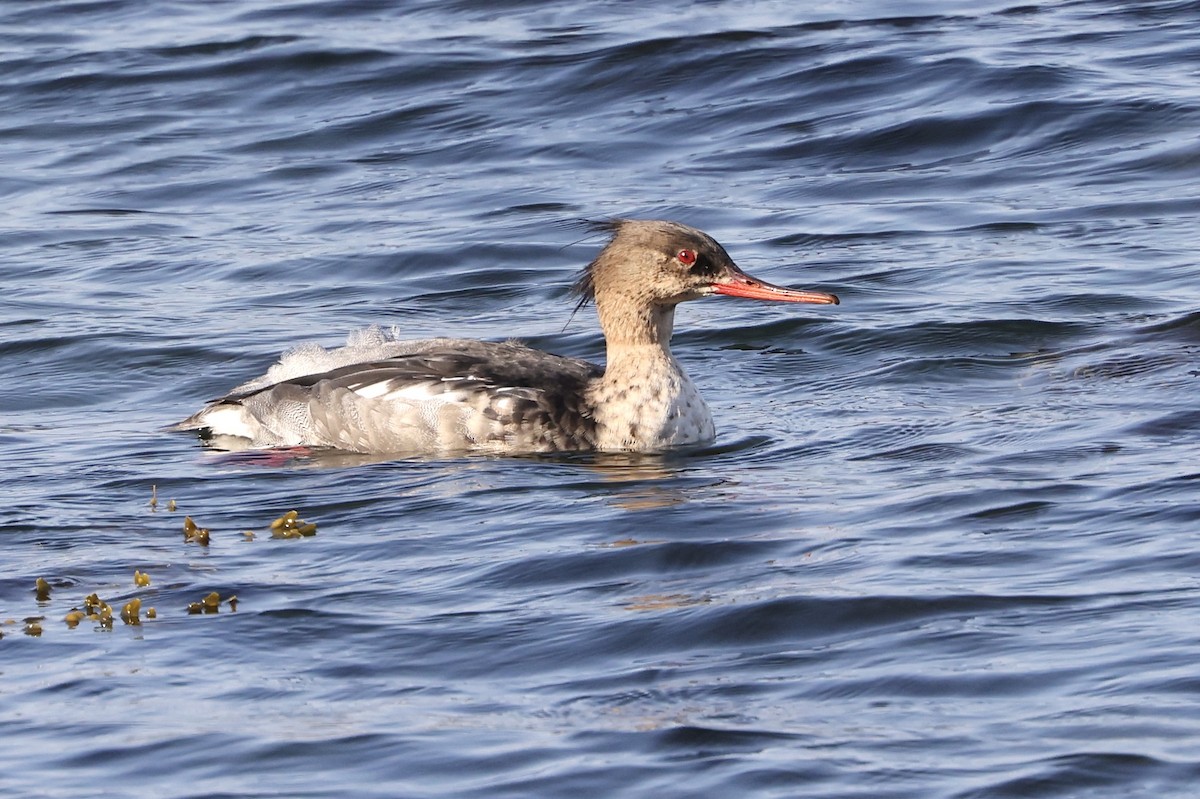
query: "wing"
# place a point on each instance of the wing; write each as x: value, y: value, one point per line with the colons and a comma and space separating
x: 453, y: 395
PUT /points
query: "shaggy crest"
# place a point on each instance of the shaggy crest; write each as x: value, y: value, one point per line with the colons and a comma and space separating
x: 584, y: 286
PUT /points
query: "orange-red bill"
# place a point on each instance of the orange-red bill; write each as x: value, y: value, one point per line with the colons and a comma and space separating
x: 742, y: 285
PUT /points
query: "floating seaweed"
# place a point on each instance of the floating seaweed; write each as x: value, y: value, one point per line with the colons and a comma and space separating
x: 290, y: 525
x: 193, y: 533
x: 98, y: 610
x: 130, y: 612
x: 153, y: 503
x: 211, y: 603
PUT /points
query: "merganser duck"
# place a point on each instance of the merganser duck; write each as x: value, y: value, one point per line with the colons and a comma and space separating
x: 456, y: 395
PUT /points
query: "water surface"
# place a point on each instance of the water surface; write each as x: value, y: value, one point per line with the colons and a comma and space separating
x: 942, y: 547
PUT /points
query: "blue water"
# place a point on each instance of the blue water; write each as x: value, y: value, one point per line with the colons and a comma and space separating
x: 945, y: 542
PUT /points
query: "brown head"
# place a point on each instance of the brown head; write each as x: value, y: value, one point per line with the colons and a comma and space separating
x: 652, y: 265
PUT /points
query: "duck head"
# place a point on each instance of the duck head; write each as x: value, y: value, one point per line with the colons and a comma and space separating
x: 657, y: 263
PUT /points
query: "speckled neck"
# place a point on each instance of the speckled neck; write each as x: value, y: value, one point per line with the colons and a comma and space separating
x: 645, y: 401
x: 634, y: 323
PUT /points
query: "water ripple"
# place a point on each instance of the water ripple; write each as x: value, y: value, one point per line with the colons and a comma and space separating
x: 941, y: 547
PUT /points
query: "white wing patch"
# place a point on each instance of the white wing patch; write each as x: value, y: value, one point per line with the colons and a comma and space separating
x: 231, y: 420
x: 415, y: 393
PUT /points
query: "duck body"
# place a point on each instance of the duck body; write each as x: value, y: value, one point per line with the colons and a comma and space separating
x: 382, y: 394
x: 453, y: 395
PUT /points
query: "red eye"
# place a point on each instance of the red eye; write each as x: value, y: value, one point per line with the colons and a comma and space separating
x: 686, y: 257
